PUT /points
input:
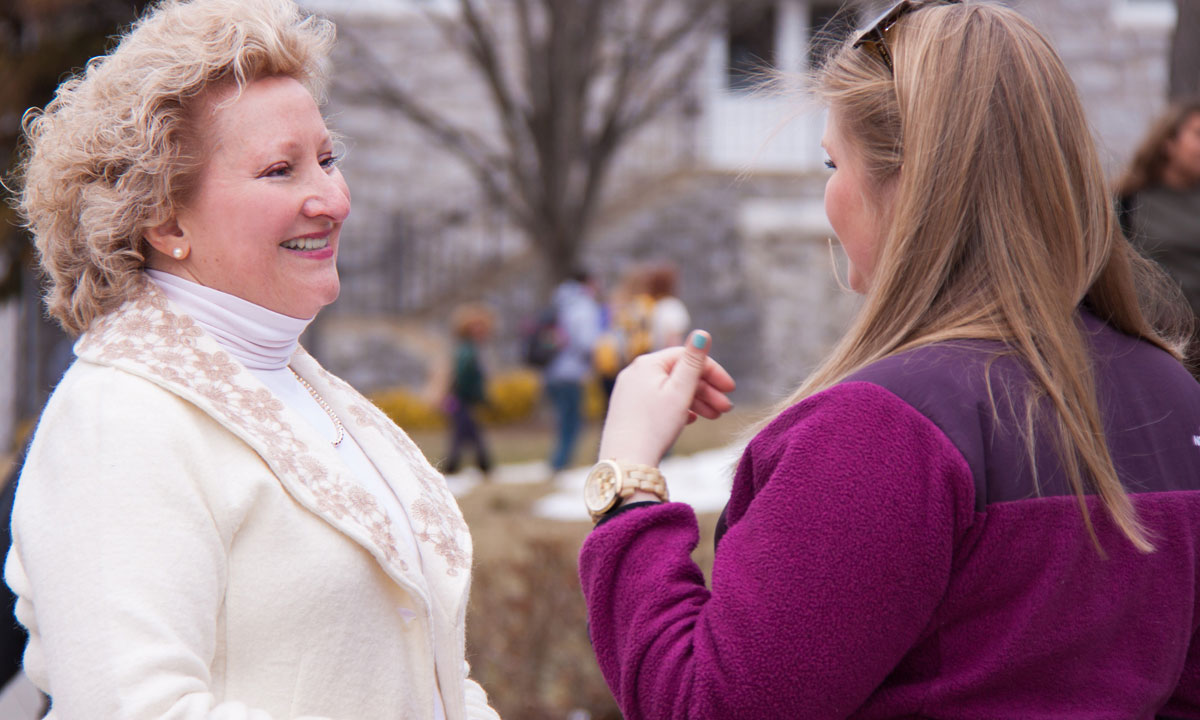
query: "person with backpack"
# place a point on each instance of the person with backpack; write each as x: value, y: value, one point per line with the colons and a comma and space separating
x: 577, y: 319
x: 669, y: 320
x: 625, y: 327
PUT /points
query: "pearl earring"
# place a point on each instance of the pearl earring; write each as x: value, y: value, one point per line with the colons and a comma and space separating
x: 178, y: 253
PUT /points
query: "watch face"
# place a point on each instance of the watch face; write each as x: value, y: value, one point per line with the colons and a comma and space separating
x: 600, y: 489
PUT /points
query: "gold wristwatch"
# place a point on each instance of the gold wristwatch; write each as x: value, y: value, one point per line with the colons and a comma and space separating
x: 610, y: 481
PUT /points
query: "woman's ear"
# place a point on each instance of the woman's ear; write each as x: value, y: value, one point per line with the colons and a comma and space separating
x: 168, y: 239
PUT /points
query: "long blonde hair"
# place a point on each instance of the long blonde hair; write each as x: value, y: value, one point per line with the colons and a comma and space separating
x: 1000, y: 225
x: 112, y: 154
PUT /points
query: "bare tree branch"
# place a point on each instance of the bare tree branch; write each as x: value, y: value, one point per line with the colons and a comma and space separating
x: 487, y: 164
x: 485, y: 56
x: 701, y: 15
x: 589, y: 75
x: 667, y: 92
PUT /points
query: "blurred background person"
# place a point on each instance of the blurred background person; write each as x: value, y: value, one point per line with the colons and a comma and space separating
x: 208, y: 524
x: 472, y: 324
x: 577, y: 317
x: 1159, y: 198
x: 625, y: 322
x: 669, y: 318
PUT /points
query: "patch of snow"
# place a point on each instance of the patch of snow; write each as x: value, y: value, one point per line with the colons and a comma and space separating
x: 702, y: 480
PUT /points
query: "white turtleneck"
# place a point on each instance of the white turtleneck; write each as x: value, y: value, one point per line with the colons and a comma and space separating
x: 264, y: 341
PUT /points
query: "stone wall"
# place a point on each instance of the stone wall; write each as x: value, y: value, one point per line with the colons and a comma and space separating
x: 1118, y: 62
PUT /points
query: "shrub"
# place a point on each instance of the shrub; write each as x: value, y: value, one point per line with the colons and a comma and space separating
x: 527, y: 634
x: 408, y: 409
x: 513, y: 396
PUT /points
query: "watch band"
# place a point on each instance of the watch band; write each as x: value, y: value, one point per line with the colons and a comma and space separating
x: 645, y: 478
x: 610, y: 483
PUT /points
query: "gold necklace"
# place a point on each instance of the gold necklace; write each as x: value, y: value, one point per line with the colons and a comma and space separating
x: 337, y: 423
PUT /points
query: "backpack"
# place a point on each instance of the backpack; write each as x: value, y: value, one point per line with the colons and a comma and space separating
x: 635, y: 323
x: 543, y: 339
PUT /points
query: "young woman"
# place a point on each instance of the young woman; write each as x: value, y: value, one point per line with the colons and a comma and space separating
x: 984, y: 503
x: 209, y: 524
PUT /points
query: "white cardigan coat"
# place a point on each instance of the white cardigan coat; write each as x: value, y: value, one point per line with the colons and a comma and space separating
x: 185, y: 546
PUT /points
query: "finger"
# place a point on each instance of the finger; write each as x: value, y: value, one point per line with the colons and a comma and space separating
x: 692, y: 417
x: 717, y: 376
x: 705, y: 410
x: 685, y: 375
x: 714, y: 398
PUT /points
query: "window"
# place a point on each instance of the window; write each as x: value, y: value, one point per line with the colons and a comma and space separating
x: 752, y: 29
x: 829, y: 24
x: 783, y: 35
x: 744, y: 130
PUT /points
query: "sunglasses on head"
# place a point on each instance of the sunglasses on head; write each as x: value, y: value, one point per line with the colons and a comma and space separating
x: 874, y: 37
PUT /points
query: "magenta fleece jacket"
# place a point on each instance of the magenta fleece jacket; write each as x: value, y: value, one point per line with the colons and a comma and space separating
x: 889, y: 550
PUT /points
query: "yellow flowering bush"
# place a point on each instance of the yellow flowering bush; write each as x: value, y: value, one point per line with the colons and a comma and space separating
x: 409, y: 409
x: 512, y: 395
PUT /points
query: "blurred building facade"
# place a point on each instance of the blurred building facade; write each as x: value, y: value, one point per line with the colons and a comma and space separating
x: 728, y: 187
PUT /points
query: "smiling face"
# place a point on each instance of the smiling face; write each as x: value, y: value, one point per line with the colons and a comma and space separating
x: 264, y: 218
x: 855, y: 216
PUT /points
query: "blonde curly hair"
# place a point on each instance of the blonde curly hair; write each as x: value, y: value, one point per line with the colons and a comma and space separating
x: 114, y: 153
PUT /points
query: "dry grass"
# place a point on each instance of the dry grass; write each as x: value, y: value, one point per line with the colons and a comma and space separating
x: 527, y: 625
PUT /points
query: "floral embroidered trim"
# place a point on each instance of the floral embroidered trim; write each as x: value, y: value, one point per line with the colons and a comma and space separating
x: 435, y: 517
x: 144, y: 332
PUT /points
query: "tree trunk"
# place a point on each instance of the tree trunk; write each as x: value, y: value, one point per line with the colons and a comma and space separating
x: 561, y: 254
x: 1185, y: 52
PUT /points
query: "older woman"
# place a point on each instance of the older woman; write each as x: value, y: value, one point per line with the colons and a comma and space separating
x: 210, y: 525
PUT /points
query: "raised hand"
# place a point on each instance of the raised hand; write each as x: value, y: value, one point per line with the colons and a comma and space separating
x: 660, y: 393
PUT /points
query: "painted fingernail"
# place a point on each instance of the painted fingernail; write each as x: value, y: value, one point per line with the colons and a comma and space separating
x: 699, y: 341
